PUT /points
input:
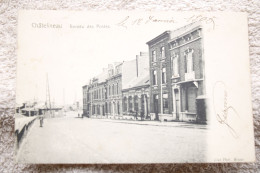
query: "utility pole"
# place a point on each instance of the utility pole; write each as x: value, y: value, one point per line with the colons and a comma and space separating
x: 48, y: 97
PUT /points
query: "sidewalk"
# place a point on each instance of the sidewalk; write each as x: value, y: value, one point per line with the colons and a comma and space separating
x: 157, y: 123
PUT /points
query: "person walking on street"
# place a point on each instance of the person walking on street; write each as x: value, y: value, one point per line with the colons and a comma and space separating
x: 41, y: 121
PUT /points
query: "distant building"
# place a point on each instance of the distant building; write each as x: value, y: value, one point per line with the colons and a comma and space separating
x: 102, y: 97
x: 94, y: 95
x: 86, y: 100
x: 114, y: 90
x: 177, y: 75
x: 135, y: 87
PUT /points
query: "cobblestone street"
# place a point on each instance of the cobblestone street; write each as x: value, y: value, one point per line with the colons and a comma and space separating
x: 75, y: 140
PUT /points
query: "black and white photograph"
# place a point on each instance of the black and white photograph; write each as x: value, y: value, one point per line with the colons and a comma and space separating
x: 133, y: 87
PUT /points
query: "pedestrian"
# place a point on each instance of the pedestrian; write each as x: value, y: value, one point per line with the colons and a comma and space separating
x: 41, y: 121
x: 78, y: 115
x: 136, y: 115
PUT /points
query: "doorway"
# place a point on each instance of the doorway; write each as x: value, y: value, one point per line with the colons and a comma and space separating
x: 177, y: 103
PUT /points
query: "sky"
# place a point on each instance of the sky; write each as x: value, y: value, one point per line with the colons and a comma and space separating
x: 72, y: 56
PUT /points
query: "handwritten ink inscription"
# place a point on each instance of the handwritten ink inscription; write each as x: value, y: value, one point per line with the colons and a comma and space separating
x: 137, y: 21
x: 127, y: 21
x: 223, y: 110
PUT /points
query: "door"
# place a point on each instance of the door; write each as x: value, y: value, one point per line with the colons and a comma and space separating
x: 192, y: 94
x: 177, y: 103
x: 155, y: 105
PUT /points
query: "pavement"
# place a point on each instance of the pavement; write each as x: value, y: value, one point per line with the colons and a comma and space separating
x: 70, y: 139
x: 158, y: 123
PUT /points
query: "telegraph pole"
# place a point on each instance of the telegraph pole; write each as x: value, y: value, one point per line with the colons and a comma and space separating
x: 48, y: 97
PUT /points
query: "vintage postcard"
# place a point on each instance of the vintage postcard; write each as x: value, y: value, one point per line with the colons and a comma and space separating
x: 133, y: 87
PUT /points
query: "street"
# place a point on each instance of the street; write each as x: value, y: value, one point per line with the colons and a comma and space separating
x: 71, y: 139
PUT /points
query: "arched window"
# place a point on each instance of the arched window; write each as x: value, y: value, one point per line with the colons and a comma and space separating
x: 175, y: 66
x: 154, y: 77
x: 113, y: 89
x: 136, y: 103
x: 163, y: 75
x: 130, y: 103
x: 125, y: 104
x: 163, y: 52
x: 189, y: 61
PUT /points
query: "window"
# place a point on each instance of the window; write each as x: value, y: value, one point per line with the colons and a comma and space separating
x: 188, y: 38
x: 136, y: 103
x: 175, y: 66
x: 113, y: 89
x: 109, y: 108
x: 154, y: 56
x: 163, y: 75
x: 117, y: 89
x: 125, y: 104
x: 189, y: 62
x: 154, y: 78
x: 165, y: 104
x: 163, y: 52
x: 130, y: 101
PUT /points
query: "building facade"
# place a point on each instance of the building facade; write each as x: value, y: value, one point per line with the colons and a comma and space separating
x: 94, y: 96
x: 177, y: 75
x: 136, y: 83
x: 160, y: 79
x: 167, y: 84
x: 113, y: 101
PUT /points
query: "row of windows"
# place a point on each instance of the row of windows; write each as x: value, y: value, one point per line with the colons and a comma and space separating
x: 98, y: 94
x: 163, y: 76
x: 101, y: 92
x: 171, y: 45
x: 162, y: 54
x: 179, y: 42
x: 113, y: 89
x: 189, y: 67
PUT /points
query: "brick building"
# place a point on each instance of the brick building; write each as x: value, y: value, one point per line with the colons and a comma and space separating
x: 177, y: 74
x: 114, y: 91
x: 135, y: 87
x: 94, y: 96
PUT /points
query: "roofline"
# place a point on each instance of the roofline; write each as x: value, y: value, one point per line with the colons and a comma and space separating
x: 185, y: 33
x: 156, y: 38
x: 136, y: 87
